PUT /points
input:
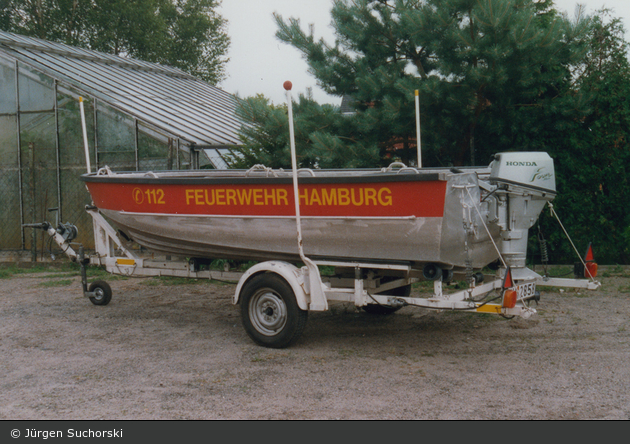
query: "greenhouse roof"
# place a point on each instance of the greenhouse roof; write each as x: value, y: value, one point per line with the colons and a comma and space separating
x: 163, y: 97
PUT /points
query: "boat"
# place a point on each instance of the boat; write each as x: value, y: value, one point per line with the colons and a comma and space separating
x: 449, y: 218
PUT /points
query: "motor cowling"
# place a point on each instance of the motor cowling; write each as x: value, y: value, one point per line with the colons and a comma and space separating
x: 528, y: 169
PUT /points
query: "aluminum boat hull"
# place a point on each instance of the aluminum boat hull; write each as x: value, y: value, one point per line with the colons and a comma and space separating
x: 406, y: 216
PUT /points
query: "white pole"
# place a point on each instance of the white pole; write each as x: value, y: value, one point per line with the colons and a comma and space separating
x: 85, y: 140
x: 287, y: 86
x: 418, y: 128
x: 316, y: 287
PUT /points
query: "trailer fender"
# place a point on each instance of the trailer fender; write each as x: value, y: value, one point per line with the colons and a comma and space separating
x: 289, y: 272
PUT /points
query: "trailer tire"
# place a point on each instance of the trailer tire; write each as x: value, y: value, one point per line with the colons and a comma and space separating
x: 270, y: 312
x: 103, y: 293
x: 377, y: 309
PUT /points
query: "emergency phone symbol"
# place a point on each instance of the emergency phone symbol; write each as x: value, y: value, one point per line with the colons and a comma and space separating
x: 138, y: 196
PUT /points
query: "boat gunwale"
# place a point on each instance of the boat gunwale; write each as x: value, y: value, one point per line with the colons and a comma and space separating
x: 254, y: 216
x: 377, y: 177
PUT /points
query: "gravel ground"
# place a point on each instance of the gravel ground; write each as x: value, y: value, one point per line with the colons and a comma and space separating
x: 164, y: 349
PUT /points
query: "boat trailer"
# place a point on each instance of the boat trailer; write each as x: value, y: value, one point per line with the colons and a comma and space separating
x: 276, y: 296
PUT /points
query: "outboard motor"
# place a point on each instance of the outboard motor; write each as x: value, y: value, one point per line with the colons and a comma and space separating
x: 525, y: 182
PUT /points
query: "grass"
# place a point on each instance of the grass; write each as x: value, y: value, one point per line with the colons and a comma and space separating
x: 5, y: 274
x: 55, y: 275
x: 57, y: 283
x: 547, y: 289
x: 12, y: 269
x: 52, y: 271
x: 423, y: 286
x: 616, y: 271
x: 167, y: 280
x: 8, y: 272
x: 561, y: 271
x: 70, y: 269
x: 164, y: 280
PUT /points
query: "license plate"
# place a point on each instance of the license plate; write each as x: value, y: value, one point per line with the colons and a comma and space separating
x: 525, y: 291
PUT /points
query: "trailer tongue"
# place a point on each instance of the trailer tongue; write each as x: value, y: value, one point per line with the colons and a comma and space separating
x: 379, y: 230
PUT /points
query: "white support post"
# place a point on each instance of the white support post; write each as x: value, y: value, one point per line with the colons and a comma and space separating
x: 106, y: 238
x: 316, y: 287
x: 359, y: 290
x: 437, y: 288
x: 85, y: 140
x: 418, y: 128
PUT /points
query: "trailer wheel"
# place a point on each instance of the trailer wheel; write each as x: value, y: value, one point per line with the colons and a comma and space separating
x: 377, y: 309
x: 270, y: 313
x: 103, y: 293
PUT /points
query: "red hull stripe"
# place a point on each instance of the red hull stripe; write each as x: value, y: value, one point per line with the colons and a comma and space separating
x: 392, y: 199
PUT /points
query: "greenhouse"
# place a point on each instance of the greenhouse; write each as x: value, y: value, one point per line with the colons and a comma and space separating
x: 137, y: 116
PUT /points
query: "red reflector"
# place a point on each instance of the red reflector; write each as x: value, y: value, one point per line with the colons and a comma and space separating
x: 509, y: 299
x: 589, y: 254
x: 507, y: 280
x: 590, y: 271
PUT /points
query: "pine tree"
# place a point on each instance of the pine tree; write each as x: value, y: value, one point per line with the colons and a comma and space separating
x: 481, y: 66
x: 485, y: 70
x: 324, y: 138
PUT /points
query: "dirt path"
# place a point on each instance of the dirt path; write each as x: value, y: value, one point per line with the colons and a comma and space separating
x: 161, y: 351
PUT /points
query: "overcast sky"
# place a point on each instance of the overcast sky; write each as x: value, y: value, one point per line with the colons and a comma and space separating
x: 260, y: 63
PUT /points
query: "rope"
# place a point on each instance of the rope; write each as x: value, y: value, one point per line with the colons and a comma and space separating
x: 486, y: 227
x: 544, y: 252
x: 553, y: 213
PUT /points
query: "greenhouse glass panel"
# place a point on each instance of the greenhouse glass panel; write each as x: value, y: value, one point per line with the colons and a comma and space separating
x: 72, y: 151
x: 8, y: 141
x: 184, y: 160
x: 155, y: 151
x: 74, y: 196
x: 116, y: 139
x: 10, y: 224
x: 8, y: 105
x: 36, y: 90
x: 39, y: 168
